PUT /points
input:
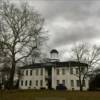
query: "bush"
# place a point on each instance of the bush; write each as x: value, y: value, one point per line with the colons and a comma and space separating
x: 61, y: 87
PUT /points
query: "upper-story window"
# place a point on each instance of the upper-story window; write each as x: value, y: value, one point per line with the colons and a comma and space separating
x: 26, y: 72
x: 82, y: 69
x: 30, y: 72
x: 22, y: 72
x: 41, y: 72
x: 63, y: 71
x: 37, y: 71
x: 77, y: 70
x: 71, y: 70
x: 57, y: 71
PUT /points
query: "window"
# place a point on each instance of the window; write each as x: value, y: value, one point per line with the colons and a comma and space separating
x: 30, y: 83
x: 30, y: 72
x: 78, y: 83
x: 21, y: 82
x: 57, y: 71
x: 72, y: 83
x: 36, y: 82
x: 41, y: 82
x: 63, y: 82
x: 26, y: 72
x: 82, y: 69
x: 84, y: 83
x: 26, y: 83
x: 71, y: 70
x: 41, y: 73
x: 63, y: 71
x: 22, y: 72
x: 37, y: 71
x: 57, y: 82
x: 77, y: 70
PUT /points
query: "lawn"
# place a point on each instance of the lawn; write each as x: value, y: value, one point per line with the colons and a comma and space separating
x: 48, y: 95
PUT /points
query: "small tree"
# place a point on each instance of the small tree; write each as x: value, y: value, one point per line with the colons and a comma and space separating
x: 5, y: 72
x: 84, y: 53
x: 22, y: 33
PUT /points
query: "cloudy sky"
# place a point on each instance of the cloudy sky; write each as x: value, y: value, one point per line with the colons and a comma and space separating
x: 69, y: 21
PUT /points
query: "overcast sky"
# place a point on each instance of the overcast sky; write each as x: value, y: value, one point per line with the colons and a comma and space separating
x: 69, y: 21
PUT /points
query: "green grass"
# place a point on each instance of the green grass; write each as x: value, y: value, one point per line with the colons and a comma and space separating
x: 48, y: 95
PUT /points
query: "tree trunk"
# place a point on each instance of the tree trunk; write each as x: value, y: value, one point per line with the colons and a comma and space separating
x: 80, y: 80
x: 12, y: 72
x: 81, y: 88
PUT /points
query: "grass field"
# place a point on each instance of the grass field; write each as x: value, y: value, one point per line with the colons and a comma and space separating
x: 48, y: 95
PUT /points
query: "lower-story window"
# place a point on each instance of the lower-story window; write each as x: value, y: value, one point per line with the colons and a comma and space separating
x: 26, y: 83
x: 30, y: 83
x: 21, y: 82
x: 63, y: 82
x: 36, y: 82
x: 58, y: 82
x: 84, y: 83
x: 41, y: 83
x: 72, y: 83
x: 78, y: 83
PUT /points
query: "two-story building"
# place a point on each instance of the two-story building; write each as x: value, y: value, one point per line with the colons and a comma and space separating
x: 49, y: 75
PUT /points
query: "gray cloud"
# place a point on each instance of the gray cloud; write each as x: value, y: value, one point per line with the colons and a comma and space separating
x: 74, y: 12
x: 70, y: 9
x: 72, y: 31
x: 69, y: 21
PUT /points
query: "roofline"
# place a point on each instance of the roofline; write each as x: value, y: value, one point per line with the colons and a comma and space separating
x: 54, y: 64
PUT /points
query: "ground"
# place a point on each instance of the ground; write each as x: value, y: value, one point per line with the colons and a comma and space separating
x: 48, y: 95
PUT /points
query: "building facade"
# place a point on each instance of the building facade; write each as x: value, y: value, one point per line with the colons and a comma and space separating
x: 51, y: 74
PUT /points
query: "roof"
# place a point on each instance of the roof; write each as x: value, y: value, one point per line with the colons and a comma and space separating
x: 54, y: 64
x: 37, y: 65
x: 53, y: 51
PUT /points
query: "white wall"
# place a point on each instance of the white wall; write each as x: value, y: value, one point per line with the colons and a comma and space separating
x: 67, y: 77
x: 33, y: 78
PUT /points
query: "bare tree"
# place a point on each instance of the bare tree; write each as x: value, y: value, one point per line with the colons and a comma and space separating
x: 33, y: 58
x: 22, y: 33
x: 84, y: 53
x: 93, y: 57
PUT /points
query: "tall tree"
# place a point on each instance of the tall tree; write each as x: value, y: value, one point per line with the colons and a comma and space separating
x: 22, y: 33
x: 88, y: 54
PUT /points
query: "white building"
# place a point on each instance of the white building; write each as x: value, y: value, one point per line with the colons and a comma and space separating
x: 49, y: 75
